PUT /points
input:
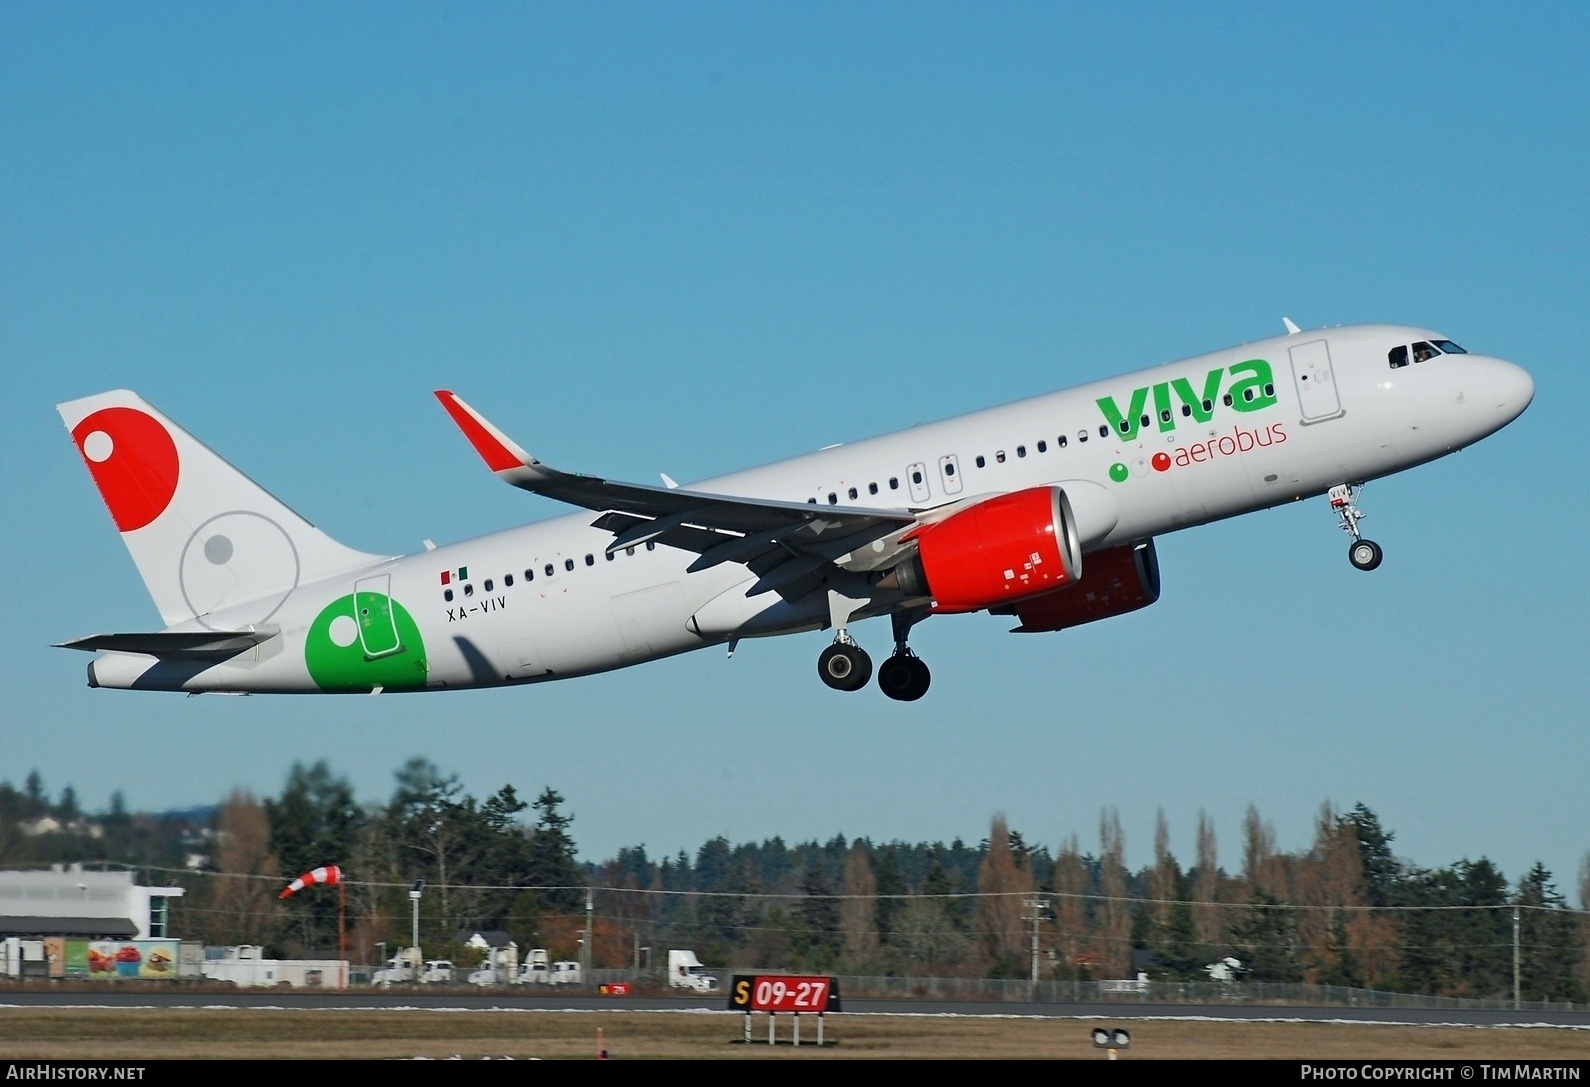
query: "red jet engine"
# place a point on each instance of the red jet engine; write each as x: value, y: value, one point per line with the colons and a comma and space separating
x: 1002, y: 550
x: 1118, y: 580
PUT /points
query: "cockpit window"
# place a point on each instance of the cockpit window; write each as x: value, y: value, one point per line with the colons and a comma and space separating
x: 1447, y: 347
x: 1398, y: 357
x: 1424, y: 352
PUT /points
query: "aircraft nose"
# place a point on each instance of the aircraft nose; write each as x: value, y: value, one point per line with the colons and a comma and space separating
x: 1512, y: 388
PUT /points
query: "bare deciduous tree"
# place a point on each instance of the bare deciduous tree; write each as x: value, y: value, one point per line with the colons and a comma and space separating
x: 245, y: 909
x: 999, y: 918
x: 858, y: 914
x: 1112, y: 934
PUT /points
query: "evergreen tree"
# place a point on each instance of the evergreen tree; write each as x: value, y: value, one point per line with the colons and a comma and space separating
x: 1549, y: 951
x: 891, y: 881
x: 1456, y: 952
x: 1265, y: 940
x: 552, y: 855
x: 1382, y: 873
x: 817, y: 939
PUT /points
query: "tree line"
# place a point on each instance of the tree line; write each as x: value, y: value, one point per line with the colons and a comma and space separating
x: 1346, y: 910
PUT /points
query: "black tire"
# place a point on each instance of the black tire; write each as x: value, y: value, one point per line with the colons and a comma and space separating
x: 844, y: 667
x: 904, y: 678
x: 1365, y: 554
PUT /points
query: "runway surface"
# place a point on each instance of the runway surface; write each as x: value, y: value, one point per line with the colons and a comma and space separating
x: 466, y: 1001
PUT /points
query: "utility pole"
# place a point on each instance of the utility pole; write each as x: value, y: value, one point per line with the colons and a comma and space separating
x: 1036, y: 905
x: 414, y: 897
x: 1515, y: 958
x: 585, y: 944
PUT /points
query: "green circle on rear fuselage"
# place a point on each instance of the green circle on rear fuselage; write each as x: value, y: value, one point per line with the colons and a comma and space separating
x: 348, y: 668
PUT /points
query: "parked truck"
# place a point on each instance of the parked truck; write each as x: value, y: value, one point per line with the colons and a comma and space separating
x: 686, y: 972
x: 536, y: 970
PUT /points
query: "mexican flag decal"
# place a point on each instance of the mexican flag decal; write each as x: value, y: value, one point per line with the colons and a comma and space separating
x: 450, y: 576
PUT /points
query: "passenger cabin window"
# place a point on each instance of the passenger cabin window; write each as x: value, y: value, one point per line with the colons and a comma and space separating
x: 1060, y: 442
x: 1104, y: 431
x: 651, y: 545
x: 1043, y: 446
x: 872, y: 488
x: 1000, y: 456
x: 447, y: 594
x: 1082, y: 435
x: 894, y: 483
x: 852, y: 493
x: 529, y: 575
x: 1186, y: 411
x: 507, y: 579
x: 488, y: 585
x: 609, y: 556
x: 1145, y: 420
x: 833, y: 499
x: 469, y: 589
x: 981, y: 463
x: 811, y: 501
x: 1021, y: 451
x: 568, y: 564
x: 949, y: 468
x: 1164, y: 415
x: 916, y: 477
x: 590, y: 560
x: 551, y: 569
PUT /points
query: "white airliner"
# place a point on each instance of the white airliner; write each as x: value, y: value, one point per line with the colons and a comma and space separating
x: 1045, y: 509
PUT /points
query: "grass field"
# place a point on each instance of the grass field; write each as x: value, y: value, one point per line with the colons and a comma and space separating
x: 199, y: 1032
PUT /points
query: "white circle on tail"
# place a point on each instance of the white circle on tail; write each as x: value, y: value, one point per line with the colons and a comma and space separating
x: 248, y: 584
x: 98, y: 447
x: 344, y: 631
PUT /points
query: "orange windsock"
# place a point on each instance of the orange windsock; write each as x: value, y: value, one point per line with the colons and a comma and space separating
x: 329, y: 874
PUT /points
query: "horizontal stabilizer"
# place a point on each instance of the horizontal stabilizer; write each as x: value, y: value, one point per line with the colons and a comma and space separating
x: 174, y: 645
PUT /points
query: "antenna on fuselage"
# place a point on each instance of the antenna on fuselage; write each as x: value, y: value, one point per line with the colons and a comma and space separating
x: 1291, y: 329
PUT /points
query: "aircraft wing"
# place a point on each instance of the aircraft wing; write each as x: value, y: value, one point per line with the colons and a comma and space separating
x: 721, y: 528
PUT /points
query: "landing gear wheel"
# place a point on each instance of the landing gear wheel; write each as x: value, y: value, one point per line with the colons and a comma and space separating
x: 845, y: 666
x: 1365, y: 554
x: 904, y: 677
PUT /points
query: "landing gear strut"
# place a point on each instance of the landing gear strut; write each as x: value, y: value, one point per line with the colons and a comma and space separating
x: 1363, y: 554
x: 903, y: 677
x: 844, y: 666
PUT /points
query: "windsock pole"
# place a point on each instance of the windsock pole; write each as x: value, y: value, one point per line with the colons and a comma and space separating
x: 342, y: 920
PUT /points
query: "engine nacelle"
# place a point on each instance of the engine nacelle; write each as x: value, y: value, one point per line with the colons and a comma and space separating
x: 1005, y: 549
x: 1118, y: 580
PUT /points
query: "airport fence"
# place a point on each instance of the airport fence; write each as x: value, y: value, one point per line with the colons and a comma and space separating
x: 1270, y: 994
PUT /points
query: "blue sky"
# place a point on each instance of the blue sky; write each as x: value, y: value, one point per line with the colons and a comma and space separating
x: 691, y: 238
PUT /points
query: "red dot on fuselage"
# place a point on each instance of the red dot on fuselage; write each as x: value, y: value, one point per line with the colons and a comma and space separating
x: 133, y: 461
x: 1161, y: 462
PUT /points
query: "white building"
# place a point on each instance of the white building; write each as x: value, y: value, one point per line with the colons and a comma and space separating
x: 67, y: 901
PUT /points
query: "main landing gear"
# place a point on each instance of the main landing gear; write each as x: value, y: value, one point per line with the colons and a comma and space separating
x: 903, y: 677
x: 845, y: 666
x: 1363, y: 554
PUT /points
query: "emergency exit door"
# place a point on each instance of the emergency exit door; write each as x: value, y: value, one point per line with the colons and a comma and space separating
x: 377, y: 622
x: 1316, y: 384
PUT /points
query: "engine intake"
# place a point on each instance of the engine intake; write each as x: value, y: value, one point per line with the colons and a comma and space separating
x: 1005, y: 549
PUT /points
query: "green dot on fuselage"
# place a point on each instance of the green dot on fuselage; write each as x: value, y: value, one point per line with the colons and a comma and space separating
x: 1119, y: 472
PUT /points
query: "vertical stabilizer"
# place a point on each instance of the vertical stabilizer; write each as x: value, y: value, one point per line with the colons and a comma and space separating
x: 204, y: 536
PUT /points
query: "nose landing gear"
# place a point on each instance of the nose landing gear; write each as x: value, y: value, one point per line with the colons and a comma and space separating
x: 1363, y: 554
